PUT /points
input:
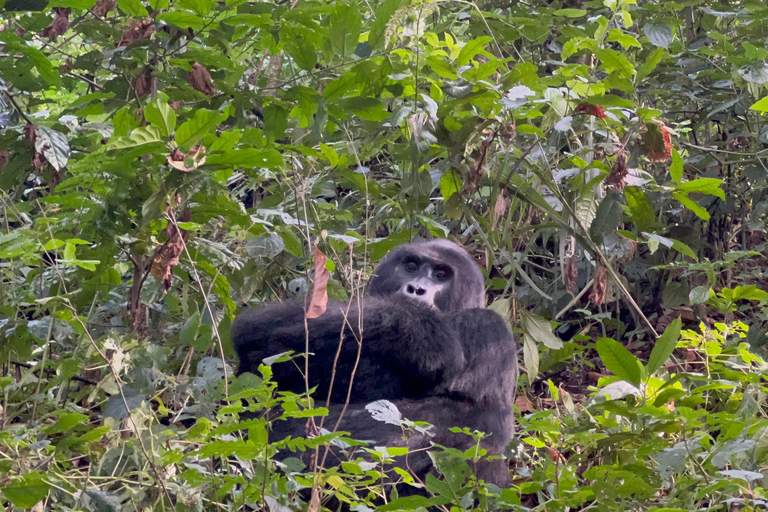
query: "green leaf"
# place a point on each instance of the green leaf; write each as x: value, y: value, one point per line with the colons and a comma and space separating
x: 250, y: 157
x: 624, y: 39
x: 472, y: 48
x: 159, y: 114
x: 302, y: 52
x: 539, y: 329
x: 292, y: 243
x: 345, y: 25
x: 676, y: 168
x: 620, y: 361
x: 611, y: 61
x: 27, y: 490
x: 650, y: 63
x: 692, y: 205
x: 665, y: 345
x: 531, y: 358
x: 203, y: 123
x: 139, y: 137
x: 376, y: 37
x: 132, y: 7
x: 607, y: 217
x: 699, y: 295
x: 577, y: 44
x: 659, y: 35
x: 183, y: 20
x: 330, y: 154
x: 760, y: 106
x: 450, y: 183
x: 571, y: 13
x: 189, y: 329
x: 75, y: 4
x: 200, y: 7
x: 66, y: 421
x: 709, y: 186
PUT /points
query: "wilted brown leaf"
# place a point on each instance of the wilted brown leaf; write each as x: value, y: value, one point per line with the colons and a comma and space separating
x: 137, y: 29
x: 200, y: 79
x: 477, y: 166
x: 592, y: 110
x: 319, y: 300
x: 59, y: 25
x: 657, y: 141
x: 570, y: 273
x: 197, y: 154
x: 615, y: 180
x: 143, y: 81
x: 499, y: 209
x: 102, y: 7
x: 167, y: 254
x: 524, y: 404
x: 597, y: 294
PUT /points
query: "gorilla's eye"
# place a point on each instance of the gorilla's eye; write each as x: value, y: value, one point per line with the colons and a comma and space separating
x: 411, y: 266
x: 441, y: 274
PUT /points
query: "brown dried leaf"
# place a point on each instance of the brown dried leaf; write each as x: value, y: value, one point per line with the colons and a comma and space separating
x: 615, y: 180
x: 477, y: 166
x: 319, y: 300
x: 499, y: 209
x: 200, y: 79
x: 167, y: 254
x: 59, y: 25
x: 570, y: 273
x: 143, y: 81
x: 597, y: 294
x: 657, y: 141
x: 137, y: 29
x: 524, y: 404
x: 592, y: 110
x: 102, y: 7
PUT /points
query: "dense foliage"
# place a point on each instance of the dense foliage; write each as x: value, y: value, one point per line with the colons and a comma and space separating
x: 166, y: 162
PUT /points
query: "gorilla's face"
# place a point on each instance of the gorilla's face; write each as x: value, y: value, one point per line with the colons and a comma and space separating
x: 438, y: 274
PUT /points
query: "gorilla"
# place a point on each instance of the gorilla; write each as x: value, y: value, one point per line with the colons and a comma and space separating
x: 422, y: 340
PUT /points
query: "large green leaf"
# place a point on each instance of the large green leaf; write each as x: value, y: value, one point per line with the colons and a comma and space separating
x: 664, y: 346
x: 620, y: 361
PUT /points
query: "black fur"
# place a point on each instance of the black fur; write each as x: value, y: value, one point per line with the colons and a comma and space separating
x: 428, y: 345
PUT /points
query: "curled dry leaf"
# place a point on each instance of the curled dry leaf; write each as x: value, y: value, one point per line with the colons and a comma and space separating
x: 200, y: 79
x: 657, y: 141
x: 167, y: 254
x: 143, y: 81
x: 137, y: 29
x: 524, y: 404
x: 570, y: 273
x: 319, y: 300
x: 599, y: 286
x: 592, y: 110
x: 102, y: 7
x: 615, y: 180
x: 59, y: 25
x: 176, y: 158
x: 477, y: 166
x: 499, y: 209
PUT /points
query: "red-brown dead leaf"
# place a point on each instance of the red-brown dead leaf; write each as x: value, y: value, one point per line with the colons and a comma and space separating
x: 615, y: 180
x: 477, y: 166
x: 657, y: 141
x: 143, y: 81
x: 319, y: 300
x: 200, y: 79
x: 167, y: 254
x: 599, y: 286
x: 499, y: 209
x: 102, y: 7
x: 592, y: 110
x: 524, y: 404
x: 570, y: 273
x: 59, y: 25
x: 137, y: 29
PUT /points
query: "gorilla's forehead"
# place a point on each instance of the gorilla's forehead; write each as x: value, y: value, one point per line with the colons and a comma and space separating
x: 442, y: 251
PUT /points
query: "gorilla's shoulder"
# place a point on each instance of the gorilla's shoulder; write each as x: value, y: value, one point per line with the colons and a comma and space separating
x: 484, y: 321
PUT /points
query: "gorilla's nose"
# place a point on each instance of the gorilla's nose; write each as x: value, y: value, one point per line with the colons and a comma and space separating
x: 415, y: 290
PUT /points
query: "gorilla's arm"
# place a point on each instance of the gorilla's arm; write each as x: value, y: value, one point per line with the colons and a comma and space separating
x: 407, y: 349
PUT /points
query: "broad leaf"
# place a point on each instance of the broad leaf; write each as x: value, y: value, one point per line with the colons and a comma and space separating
x: 620, y: 361
x: 664, y: 346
